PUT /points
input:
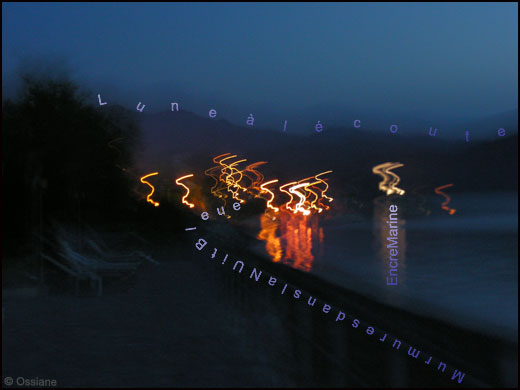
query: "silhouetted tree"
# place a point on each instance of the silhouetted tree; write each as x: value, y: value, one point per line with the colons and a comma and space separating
x: 63, y: 158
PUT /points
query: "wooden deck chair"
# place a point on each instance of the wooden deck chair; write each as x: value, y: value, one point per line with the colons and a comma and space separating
x: 96, y: 243
x: 98, y: 266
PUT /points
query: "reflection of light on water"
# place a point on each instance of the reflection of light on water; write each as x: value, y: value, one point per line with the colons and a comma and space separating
x: 381, y: 233
x: 268, y: 234
x: 295, y: 243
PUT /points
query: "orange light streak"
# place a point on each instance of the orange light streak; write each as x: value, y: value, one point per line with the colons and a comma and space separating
x: 316, y: 197
x: 249, y: 180
x: 299, y: 206
x: 234, y: 183
x: 326, y: 186
x: 269, y: 202
x: 448, y: 199
x: 288, y: 193
x: 215, y: 190
x: 191, y: 205
x: 225, y: 167
x: 149, y: 196
x: 259, y: 177
x: 221, y: 155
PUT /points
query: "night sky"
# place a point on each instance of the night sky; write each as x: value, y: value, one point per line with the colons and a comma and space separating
x: 452, y: 60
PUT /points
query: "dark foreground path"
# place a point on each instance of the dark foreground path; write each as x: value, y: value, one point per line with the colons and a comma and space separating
x: 174, y: 328
x: 193, y: 322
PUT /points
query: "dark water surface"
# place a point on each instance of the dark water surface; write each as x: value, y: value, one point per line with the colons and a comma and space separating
x: 461, y: 268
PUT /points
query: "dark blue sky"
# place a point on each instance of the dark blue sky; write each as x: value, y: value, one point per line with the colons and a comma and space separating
x: 275, y: 60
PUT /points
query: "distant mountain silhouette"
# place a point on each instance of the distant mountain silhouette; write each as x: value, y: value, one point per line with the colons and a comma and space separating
x: 181, y: 142
x: 411, y: 123
x: 486, y: 127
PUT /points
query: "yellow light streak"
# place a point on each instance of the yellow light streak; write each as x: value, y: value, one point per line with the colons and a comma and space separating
x: 326, y: 186
x: 191, y: 205
x: 299, y: 206
x: 269, y: 202
x: 288, y: 193
x: 387, y: 185
x: 149, y: 196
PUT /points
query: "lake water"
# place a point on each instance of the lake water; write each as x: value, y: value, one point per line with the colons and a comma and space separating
x: 462, y: 268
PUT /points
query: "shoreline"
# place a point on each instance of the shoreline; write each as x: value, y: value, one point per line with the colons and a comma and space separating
x: 457, y: 374
x: 486, y: 354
